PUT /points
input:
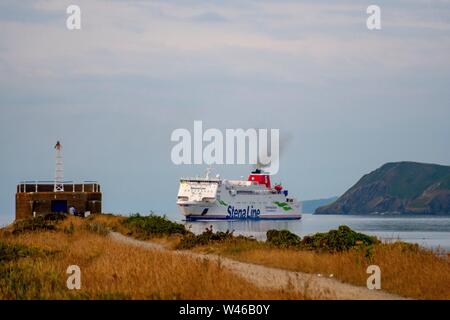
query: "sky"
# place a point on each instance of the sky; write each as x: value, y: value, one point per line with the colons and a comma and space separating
x: 346, y: 99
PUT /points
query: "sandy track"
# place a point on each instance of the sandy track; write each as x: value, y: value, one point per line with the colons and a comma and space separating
x: 273, y: 278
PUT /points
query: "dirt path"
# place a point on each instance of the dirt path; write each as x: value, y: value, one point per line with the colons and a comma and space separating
x: 273, y: 278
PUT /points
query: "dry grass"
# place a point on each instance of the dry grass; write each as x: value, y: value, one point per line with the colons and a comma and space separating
x: 406, y: 269
x: 113, y: 222
x: 112, y: 270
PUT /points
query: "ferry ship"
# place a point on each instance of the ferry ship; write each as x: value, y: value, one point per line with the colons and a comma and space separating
x: 207, y: 198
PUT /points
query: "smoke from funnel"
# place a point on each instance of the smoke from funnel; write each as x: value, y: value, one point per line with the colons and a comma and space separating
x: 284, y: 141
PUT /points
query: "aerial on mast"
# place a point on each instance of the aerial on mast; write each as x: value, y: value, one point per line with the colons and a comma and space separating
x: 59, y: 185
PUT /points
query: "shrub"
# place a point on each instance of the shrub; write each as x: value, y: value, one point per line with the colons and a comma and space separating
x: 153, y: 225
x: 55, y: 216
x: 206, y: 237
x: 11, y: 252
x: 209, y: 236
x: 33, y: 224
x: 282, y: 238
x: 341, y: 239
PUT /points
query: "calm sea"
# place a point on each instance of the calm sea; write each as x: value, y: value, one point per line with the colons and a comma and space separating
x: 431, y: 232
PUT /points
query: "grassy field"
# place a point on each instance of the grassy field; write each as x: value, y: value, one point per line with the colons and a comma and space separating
x: 33, y: 265
x: 34, y: 258
x: 405, y: 270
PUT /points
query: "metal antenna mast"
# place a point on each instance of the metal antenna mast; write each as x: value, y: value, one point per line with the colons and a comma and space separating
x: 59, y: 185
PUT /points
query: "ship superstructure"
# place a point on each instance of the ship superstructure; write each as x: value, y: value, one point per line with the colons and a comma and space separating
x: 205, y: 198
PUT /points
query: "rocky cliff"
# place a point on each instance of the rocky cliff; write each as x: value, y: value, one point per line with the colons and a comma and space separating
x: 398, y: 187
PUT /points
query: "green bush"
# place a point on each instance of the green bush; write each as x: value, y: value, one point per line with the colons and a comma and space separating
x: 341, y: 239
x: 11, y: 252
x: 55, y: 216
x: 153, y: 225
x: 206, y: 237
x: 33, y: 224
x: 282, y: 238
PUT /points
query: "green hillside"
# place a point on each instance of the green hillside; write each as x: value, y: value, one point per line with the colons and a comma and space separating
x: 400, y: 187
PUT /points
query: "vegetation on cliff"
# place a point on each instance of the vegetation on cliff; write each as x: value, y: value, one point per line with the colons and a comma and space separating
x: 398, y: 187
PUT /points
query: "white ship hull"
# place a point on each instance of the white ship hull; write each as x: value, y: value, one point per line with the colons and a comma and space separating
x: 211, y: 199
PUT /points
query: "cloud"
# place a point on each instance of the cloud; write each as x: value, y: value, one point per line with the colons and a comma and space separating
x: 307, y: 44
x: 139, y: 69
x: 210, y: 17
